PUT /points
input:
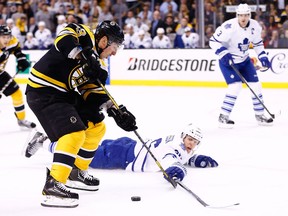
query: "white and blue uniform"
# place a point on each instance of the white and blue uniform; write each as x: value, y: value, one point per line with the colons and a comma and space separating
x: 231, y: 38
x: 126, y: 153
x: 236, y: 40
x: 169, y: 151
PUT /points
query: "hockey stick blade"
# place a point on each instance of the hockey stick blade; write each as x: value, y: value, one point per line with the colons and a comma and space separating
x: 252, y: 91
x: 200, y: 200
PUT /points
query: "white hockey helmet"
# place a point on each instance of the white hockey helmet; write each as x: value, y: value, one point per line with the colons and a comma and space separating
x: 243, y: 9
x: 193, y: 131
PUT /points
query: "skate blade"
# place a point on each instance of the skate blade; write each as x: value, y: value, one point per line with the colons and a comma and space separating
x: 58, y: 202
x: 265, y: 124
x: 80, y: 186
x: 225, y: 126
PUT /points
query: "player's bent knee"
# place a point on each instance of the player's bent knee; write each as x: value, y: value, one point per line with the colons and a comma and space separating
x: 71, y: 142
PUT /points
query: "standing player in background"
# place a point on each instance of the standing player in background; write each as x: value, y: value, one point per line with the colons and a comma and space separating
x: 231, y: 42
x: 65, y: 94
x: 10, y: 45
x: 172, y: 152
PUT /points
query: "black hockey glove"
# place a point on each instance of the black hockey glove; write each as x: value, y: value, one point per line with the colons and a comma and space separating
x: 22, y: 62
x: 123, y: 118
x: 91, y: 66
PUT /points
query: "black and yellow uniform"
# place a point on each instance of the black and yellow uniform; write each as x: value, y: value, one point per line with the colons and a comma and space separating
x: 73, y: 119
x: 13, y: 90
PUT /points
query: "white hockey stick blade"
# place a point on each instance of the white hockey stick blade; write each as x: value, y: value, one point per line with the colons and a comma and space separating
x: 276, y: 114
x: 224, y: 206
x: 203, y: 203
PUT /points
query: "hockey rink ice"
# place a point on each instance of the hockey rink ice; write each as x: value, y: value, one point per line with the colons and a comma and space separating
x: 252, y: 159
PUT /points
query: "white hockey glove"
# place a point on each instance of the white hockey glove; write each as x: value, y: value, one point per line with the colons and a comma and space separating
x: 202, y: 161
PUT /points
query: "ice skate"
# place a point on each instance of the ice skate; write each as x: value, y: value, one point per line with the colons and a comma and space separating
x: 225, y: 122
x: 263, y: 120
x: 26, y: 124
x: 35, y: 143
x: 57, y: 195
x: 80, y: 179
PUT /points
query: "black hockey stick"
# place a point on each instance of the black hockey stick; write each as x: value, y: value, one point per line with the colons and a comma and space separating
x: 8, y: 83
x: 200, y: 200
x: 244, y: 81
x: 172, y: 181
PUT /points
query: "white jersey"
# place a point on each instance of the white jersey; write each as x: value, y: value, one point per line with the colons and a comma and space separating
x: 237, y: 39
x: 167, y: 151
x: 163, y: 43
x: 44, y: 37
x: 129, y: 40
x: 146, y: 42
x: 192, y: 41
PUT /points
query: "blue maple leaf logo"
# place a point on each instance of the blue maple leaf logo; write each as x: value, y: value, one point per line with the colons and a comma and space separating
x: 228, y: 25
x: 243, y: 47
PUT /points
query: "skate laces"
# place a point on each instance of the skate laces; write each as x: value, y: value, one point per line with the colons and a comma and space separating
x: 261, y: 117
x: 85, y: 175
x: 24, y: 122
x: 36, y: 142
x: 62, y: 187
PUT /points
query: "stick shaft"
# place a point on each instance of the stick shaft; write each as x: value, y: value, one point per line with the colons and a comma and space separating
x: 174, y: 184
x: 243, y: 80
x: 192, y: 193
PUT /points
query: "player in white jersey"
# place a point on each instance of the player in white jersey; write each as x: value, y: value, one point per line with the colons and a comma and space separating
x: 190, y: 39
x: 161, y: 41
x: 231, y: 42
x: 172, y: 152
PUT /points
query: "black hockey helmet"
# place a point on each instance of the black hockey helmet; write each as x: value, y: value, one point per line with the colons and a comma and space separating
x: 5, y: 30
x: 111, y: 30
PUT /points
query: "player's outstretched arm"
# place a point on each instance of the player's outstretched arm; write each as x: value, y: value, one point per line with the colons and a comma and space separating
x: 202, y: 161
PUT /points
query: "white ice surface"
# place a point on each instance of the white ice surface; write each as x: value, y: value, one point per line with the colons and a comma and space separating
x: 252, y: 159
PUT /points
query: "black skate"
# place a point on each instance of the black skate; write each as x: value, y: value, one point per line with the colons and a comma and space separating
x: 80, y: 179
x: 26, y: 124
x: 263, y: 120
x: 225, y: 122
x: 57, y: 195
x: 34, y: 144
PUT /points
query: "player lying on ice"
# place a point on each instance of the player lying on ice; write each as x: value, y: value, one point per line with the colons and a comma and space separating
x: 173, y: 152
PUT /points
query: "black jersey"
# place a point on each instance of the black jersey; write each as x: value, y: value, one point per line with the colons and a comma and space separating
x: 12, y: 48
x: 57, y: 70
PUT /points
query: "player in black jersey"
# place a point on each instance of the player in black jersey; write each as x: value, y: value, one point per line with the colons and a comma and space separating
x: 64, y: 93
x: 9, y: 44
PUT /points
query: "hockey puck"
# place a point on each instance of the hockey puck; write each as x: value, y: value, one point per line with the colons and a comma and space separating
x: 135, y: 198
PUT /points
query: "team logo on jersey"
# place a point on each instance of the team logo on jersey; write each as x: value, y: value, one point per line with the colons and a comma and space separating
x: 73, y: 119
x: 80, y: 31
x: 77, y: 78
x: 228, y: 25
x: 243, y: 47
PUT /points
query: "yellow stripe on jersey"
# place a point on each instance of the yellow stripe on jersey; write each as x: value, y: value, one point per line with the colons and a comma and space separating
x: 40, y: 79
x: 91, y: 35
x: 90, y: 88
x: 13, y: 43
x: 66, y: 31
x: 34, y: 85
